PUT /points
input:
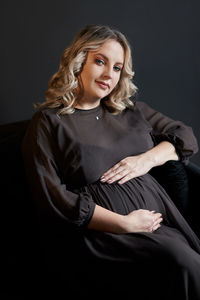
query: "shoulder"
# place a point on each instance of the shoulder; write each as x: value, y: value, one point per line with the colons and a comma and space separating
x: 45, y: 115
x: 138, y: 107
x: 134, y: 114
x: 146, y: 110
x: 43, y: 120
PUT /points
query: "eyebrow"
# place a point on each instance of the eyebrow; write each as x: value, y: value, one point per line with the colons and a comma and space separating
x: 105, y: 57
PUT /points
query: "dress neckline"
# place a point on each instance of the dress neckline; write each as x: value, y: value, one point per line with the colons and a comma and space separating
x: 91, y: 111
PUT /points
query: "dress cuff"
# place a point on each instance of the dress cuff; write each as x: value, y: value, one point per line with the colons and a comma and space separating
x: 175, y: 141
x: 87, y: 209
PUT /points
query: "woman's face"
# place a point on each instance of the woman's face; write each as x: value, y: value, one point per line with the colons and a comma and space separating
x: 101, y: 72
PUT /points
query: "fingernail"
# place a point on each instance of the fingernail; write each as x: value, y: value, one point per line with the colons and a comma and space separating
x: 103, y: 179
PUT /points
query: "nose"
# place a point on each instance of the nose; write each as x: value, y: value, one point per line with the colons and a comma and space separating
x: 108, y: 72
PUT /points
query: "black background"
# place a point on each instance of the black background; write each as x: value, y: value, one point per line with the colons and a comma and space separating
x: 164, y: 37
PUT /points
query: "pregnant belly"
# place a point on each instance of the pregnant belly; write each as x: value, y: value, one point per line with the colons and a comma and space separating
x: 142, y: 192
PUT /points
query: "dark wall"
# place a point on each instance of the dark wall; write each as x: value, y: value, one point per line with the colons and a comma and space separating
x: 164, y: 36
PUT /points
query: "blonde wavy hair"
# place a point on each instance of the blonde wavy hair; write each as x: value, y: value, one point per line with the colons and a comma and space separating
x: 65, y: 88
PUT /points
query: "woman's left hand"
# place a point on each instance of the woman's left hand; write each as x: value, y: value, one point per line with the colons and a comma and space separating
x: 128, y: 168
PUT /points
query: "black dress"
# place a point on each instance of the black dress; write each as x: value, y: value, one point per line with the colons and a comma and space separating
x: 65, y: 156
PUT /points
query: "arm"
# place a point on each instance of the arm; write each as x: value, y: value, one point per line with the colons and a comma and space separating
x: 161, y: 153
x: 134, y: 166
x: 41, y: 160
x: 137, y: 221
x: 166, y: 129
x: 171, y: 136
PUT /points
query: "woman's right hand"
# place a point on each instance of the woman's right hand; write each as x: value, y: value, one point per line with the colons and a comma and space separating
x: 142, y: 220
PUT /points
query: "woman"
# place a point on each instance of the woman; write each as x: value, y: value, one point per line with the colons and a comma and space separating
x: 88, y: 152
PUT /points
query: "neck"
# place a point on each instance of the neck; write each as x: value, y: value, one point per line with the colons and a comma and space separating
x: 87, y: 105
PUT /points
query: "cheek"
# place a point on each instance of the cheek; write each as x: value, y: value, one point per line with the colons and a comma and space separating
x: 87, y: 72
x: 92, y: 74
x: 116, y: 80
x: 86, y: 79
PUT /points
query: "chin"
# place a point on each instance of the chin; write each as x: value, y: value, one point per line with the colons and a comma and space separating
x: 101, y: 95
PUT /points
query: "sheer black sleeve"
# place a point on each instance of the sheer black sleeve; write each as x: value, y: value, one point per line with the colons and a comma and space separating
x: 41, y: 159
x: 166, y: 129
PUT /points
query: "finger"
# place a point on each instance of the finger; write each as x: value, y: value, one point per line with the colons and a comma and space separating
x: 156, y: 215
x: 114, y: 174
x: 129, y: 176
x: 117, y: 176
x: 158, y: 221
x: 154, y: 212
x: 156, y: 227
x: 156, y: 218
x: 111, y: 170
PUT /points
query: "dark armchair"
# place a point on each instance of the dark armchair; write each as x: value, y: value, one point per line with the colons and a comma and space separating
x: 23, y: 268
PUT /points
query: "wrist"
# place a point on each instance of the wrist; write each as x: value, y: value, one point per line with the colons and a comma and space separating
x: 149, y: 158
x: 160, y: 154
x: 108, y: 221
x: 124, y: 224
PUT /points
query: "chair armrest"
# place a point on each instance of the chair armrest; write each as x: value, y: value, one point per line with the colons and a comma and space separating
x: 193, y: 171
x: 174, y: 179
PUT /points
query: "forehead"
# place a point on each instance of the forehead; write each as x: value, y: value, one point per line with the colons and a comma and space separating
x: 112, y: 50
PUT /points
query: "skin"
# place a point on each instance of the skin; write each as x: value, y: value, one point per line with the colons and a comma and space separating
x: 104, y: 66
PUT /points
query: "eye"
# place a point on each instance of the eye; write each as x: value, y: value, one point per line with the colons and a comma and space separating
x: 99, y: 61
x: 117, y: 69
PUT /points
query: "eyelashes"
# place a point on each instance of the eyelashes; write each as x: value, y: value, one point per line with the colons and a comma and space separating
x: 101, y: 62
